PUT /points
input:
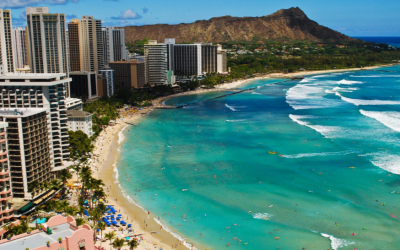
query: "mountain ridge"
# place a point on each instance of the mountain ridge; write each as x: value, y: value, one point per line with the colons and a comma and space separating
x: 291, y: 24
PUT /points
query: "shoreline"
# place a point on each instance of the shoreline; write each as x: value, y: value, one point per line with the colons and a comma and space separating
x: 108, y: 150
x: 160, y: 102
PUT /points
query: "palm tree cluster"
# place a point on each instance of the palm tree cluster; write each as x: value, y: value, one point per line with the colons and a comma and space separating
x: 119, y: 243
x: 23, y: 227
x: 35, y: 186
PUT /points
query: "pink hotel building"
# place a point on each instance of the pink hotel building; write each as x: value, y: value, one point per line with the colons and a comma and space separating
x: 72, y: 237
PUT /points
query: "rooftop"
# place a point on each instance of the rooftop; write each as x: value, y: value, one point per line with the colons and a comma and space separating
x: 39, y: 239
x: 20, y: 112
x: 78, y: 114
x: 31, y: 75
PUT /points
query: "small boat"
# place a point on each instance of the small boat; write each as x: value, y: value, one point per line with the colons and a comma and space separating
x: 273, y: 152
x: 393, y: 216
x: 183, y: 190
x: 351, y: 167
x: 270, y: 205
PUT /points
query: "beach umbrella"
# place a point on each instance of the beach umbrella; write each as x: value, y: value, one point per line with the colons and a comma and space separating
x: 129, y: 225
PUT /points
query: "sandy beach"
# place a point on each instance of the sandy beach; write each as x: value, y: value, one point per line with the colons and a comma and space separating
x: 106, y: 154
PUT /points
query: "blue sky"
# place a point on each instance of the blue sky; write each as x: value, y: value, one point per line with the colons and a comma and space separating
x: 351, y: 17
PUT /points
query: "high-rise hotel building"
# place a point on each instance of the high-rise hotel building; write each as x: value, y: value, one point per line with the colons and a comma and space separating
x: 33, y: 95
x: 6, y: 211
x: 20, y: 48
x: 6, y: 44
x: 86, y: 44
x: 159, y: 61
x: 114, y: 45
x: 29, y: 148
x: 46, y: 41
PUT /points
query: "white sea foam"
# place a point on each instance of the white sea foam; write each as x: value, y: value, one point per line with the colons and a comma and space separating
x: 329, y: 91
x: 306, y: 80
x: 335, y: 89
x: 262, y: 216
x: 347, y: 82
x: 318, y: 76
x: 324, y: 130
x: 376, y: 76
x: 389, y: 119
x: 121, y: 136
x: 321, y: 154
x: 337, y: 243
x: 234, y: 108
x: 388, y: 162
x: 302, y: 96
x: 239, y: 120
x: 359, y: 102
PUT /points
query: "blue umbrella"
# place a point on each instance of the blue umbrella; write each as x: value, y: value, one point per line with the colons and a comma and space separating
x: 129, y: 225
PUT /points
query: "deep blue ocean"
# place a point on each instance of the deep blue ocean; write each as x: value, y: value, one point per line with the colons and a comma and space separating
x: 394, y: 41
x: 334, y: 183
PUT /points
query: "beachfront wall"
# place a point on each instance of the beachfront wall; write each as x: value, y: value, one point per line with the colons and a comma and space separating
x: 58, y: 220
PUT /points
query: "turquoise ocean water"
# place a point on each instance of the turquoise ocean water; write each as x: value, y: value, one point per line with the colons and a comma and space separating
x: 335, y: 185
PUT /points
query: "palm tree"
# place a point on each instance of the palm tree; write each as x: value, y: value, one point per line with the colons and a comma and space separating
x: 80, y: 221
x: 63, y: 205
x: 86, y: 175
x: 118, y: 243
x: 71, y: 210
x: 101, y: 207
x: 55, y: 184
x: 96, y: 216
x: 110, y: 236
x: 32, y: 187
x: 133, y: 243
x: 65, y: 175
x: 101, y: 225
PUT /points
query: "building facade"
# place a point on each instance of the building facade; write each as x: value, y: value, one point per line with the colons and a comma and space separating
x: 221, y: 60
x: 130, y: 74
x: 83, y: 85
x: 38, y: 91
x: 29, y: 148
x: 106, y: 80
x: 6, y: 211
x: 157, y: 62
x: 187, y: 59
x: 114, y: 44
x: 46, y: 41
x: 209, y: 58
x: 74, y: 45
x: 20, y: 49
x: 6, y: 43
x: 86, y: 44
x: 80, y: 120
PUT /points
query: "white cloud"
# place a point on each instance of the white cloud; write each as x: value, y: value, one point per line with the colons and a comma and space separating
x: 126, y: 15
x: 129, y: 14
